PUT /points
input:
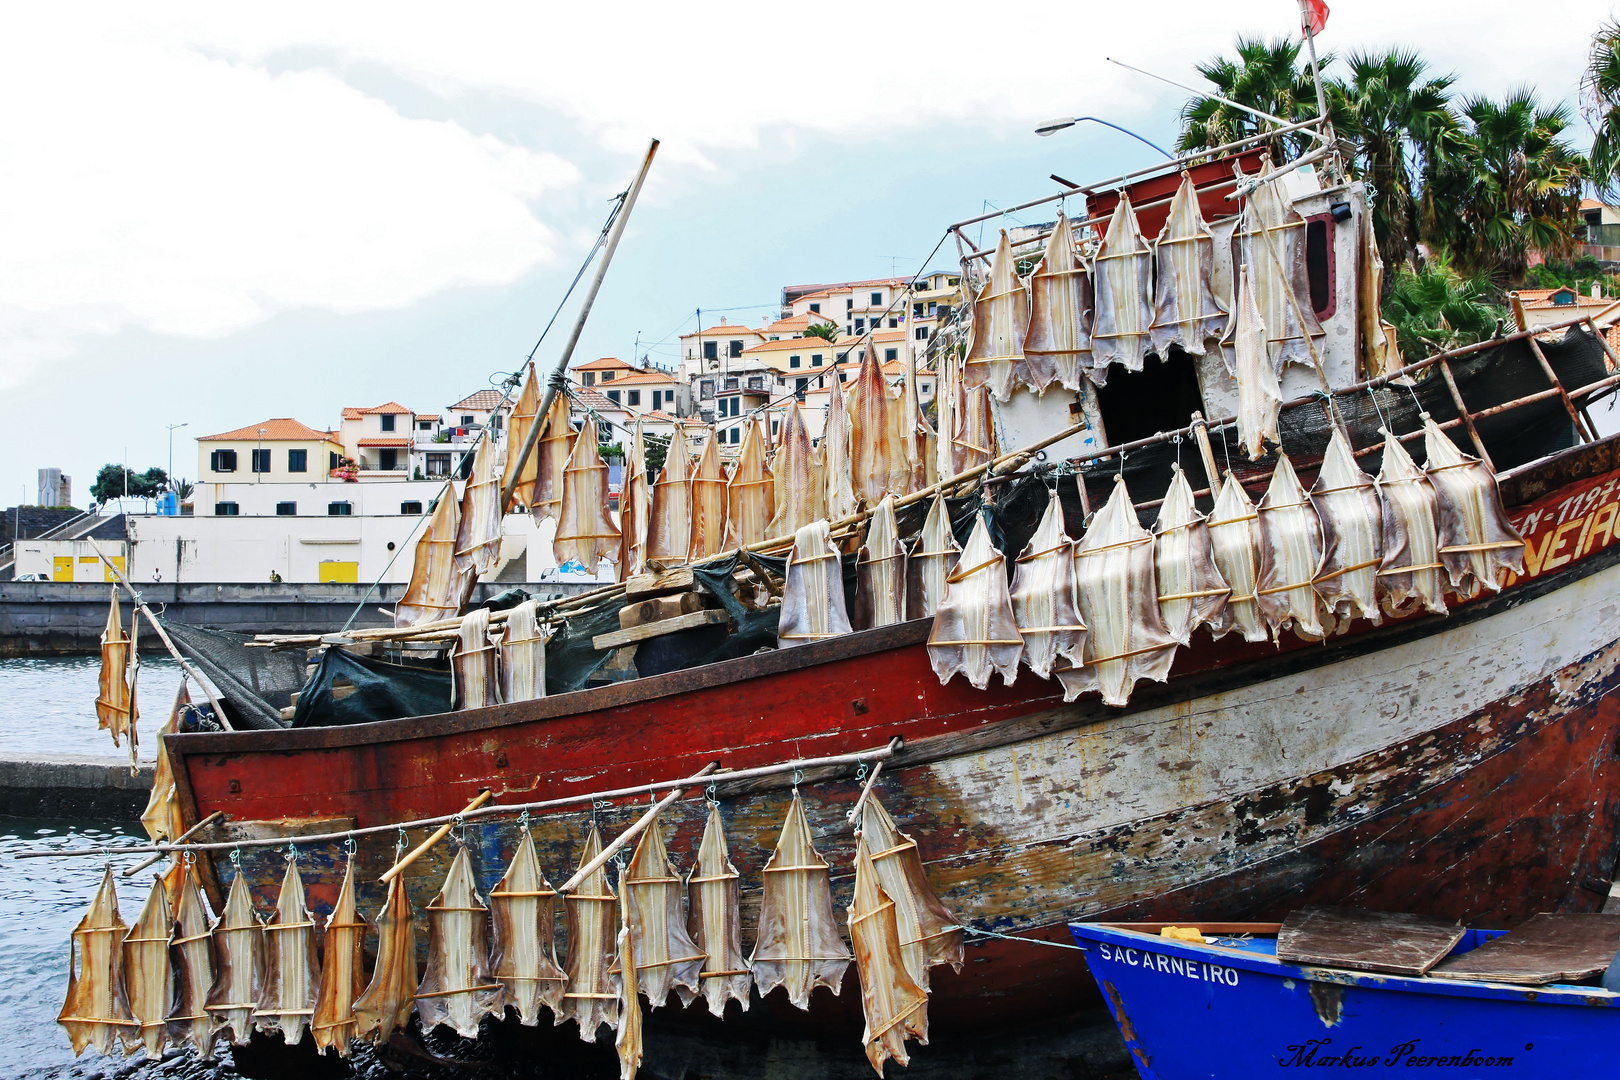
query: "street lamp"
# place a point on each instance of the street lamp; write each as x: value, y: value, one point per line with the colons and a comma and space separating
x: 172, y: 485
x: 1052, y: 127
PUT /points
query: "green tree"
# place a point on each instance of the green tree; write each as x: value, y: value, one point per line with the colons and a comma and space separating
x: 1600, y: 104
x: 1437, y: 308
x: 1266, y: 75
x: 114, y: 481
x: 826, y: 331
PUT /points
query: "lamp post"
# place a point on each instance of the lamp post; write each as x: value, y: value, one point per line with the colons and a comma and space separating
x: 1052, y: 127
x: 172, y: 485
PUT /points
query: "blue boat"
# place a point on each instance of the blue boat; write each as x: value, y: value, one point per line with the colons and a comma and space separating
x: 1228, y: 1008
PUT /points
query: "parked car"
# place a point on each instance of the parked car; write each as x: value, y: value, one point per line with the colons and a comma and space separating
x: 32, y: 577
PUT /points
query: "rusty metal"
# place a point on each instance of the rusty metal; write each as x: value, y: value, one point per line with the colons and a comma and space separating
x: 1462, y: 411
x: 1586, y: 434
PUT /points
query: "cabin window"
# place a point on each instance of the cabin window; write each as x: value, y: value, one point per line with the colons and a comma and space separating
x: 1319, y: 264
x: 226, y: 509
x: 286, y: 509
x: 298, y: 461
x: 410, y: 508
x: 222, y: 461
x: 339, y: 509
x: 387, y: 421
x: 1161, y: 397
x: 261, y: 461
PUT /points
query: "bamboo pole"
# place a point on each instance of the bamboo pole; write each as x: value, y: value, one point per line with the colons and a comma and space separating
x: 866, y: 788
x: 631, y: 833
x: 425, y: 846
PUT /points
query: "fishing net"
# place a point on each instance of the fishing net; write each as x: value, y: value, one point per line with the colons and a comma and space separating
x: 349, y: 689
x: 254, y: 685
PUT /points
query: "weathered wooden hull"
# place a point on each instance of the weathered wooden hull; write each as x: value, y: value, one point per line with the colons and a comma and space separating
x: 1462, y: 765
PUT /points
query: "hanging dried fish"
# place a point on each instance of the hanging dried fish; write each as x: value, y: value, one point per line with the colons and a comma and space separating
x: 162, y: 818
x: 666, y: 957
x: 894, y: 1005
x: 627, y: 1040
x: 796, y: 481
x: 386, y: 1005
x: 1186, y: 312
x: 837, y: 454
x: 1192, y: 592
x: 148, y: 978
x: 880, y: 571
x: 916, y: 436
x: 1478, y: 543
x: 191, y: 952
x: 585, y: 529
x: 457, y: 990
x: 436, y: 590
x: 472, y: 665
x: 523, y: 655
x: 592, y: 998
x: 635, y: 506
x: 974, y: 441
x: 669, y: 524
x: 798, y: 947
x: 818, y: 481
x: 1124, y: 284
x: 1290, y: 557
x: 525, y: 962
x: 1278, y: 269
x: 1061, y: 307
x: 239, y: 978
x: 1352, y: 525
x: 877, y: 450
x: 1410, y: 572
x: 751, y: 492
x: 292, y: 968
x: 974, y: 631
x: 478, y: 539
x: 995, y: 356
x: 552, y: 452
x: 1119, y: 602
x: 709, y: 500
x: 1259, y: 392
x: 1043, y: 597
x: 343, y: 973
x: 931, y: 561
x: 929, y: 934
x: 713, y: 915
x: 115, y: 703
x: 1234, y: 536
x: 1378, y: 342
x: 813, y: 596
x: 96, y: 1012
x: 524, y: 413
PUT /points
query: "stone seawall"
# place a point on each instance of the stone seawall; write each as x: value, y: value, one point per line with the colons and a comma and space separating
x: 73, y: 786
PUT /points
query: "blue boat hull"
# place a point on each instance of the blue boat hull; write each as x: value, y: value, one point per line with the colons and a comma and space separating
x: 1187, y: 1010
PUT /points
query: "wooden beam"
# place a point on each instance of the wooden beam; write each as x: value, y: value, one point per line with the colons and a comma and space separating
x: 659, y: 608
x: 658, y: 583
x: 620, y: 638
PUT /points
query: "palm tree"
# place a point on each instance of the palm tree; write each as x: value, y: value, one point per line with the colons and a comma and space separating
x: 1267, y: 76
x: 826, y: 331
x: 1436, y: 308
x: 1600, y: 103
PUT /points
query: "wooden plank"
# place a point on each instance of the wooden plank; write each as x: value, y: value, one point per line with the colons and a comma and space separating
x: 1203, y: 926
x: 1544, y: 949
x: 658, y: 583
x: 660, y: 608
x: 1395, y: 943
x: 620, y: 638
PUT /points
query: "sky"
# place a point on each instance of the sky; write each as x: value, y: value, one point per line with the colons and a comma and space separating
x: 215, y: 214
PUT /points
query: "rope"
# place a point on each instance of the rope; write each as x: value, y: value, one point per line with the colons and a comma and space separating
x: 1022, y: 940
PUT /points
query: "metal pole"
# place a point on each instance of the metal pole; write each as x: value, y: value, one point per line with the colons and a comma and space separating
x: 1316, y: 71
x: 555, y: 382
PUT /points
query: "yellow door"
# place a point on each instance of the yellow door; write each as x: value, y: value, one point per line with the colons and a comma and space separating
x: 62, y: 568
x: 346, y: 573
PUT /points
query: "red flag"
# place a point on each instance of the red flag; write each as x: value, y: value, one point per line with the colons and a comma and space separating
x: 1316, y: 13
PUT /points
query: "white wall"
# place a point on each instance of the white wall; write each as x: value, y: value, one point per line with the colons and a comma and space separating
x: 366, y: 500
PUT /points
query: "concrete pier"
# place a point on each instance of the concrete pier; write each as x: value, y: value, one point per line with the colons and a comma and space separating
x: 73, y: 785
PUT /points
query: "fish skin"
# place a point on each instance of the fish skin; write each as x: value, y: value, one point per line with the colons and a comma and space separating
x: 1259, y: 392
x: 1352, y: 536
x: 929, y: 934
x: 115, y: 699
x: 389, y: 998
x: 1062, y: 306
x: 797, y: 482
x: 878, y: 430
x: 666, y: 958
x: 436, y: 590
x: 714, y: 919
x: 525, y: 954
x: 239, y: 976
x: 1469, y: 512
x: 457, y: 990
x: 524, y: 412
x: 343, y: 972
x: 1186, y: 312
x: 798, y: 947
x: 635, y: 507
x: 1234, y: 538
x: 523, y: 655
x: 1123, y: 273
x: 191, y: 954
x: 813, y: 595
x: 473, y: 666
x: 1185, y: 563
x: 162, y: 817
x: 709, y: 500
x: 837, y: 455
x: 95, y: 1012
x: 478, y: 539
x: 148, y: 978
x: 995, y: 355
x: 751, y: 492
x: 585, y: 528
x: 627, y: 1044
x: 974, y: 441
x: 669, y: 522
x: 880, y: 572
x: 895, y: 1007
x: 292, y: 968
x: 977, y: 609
x: 552, y: 452
x: 930, y: 561
x: 916, y: 435
x: 1043, y: 597
x: 592, y: 948
x: 1290, y: 557
x: 1285, y: 332
x: 1410, y: 575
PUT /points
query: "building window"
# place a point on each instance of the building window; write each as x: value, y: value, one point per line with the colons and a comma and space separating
x: 860, y: 326
x: 226, y: 509
x: 843, y: 376
x: 410, y: 508
x: 848, y: 329
x: 732, y: 383
x: 706, y: 389
x: 388, y: 460
x: 877, y: 298
x: 438, y: 464
x: 590, y: 378
x: 951, y: 282
x: 261, y: 461
x: 849, y: 305
x: 222, y: 461
x: 495, y: 421
x: 735, y: 350
x: 815, y: 359
x: 424, y: 425
x: 298, y: 461
x: 776, y: 428
x: 891, y: 354
x: 756, y: 382
x: 816, y: 308
x: 922, y: 333
x: 613, y: 396
x: 339, y: 509
x: 932, y: 307
x: 387, y: 420
x: 607, y: 376
x: 793, y: 361
x: 928, y: 388
x: 466, y: 421
x: 332, y: 459
x: 632, y: 397
x: 916, y: 310
x: 286, y: 509
x: 711, y: 350
x: 893, y: 323
x: 736, y: 436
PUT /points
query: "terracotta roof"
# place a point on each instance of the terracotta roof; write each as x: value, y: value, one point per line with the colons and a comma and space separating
x: 351, y: 413
x: 385, y: 442
x: 280, y: 429
x: 799, y: 344
x: 723, y: 330
x: 639, y: 378
x: 587, y: 396
x: 1542, y: 298
x: 657, y: 414
x: 483, y: 401
x: 606, y: 363
x: 387, y: 407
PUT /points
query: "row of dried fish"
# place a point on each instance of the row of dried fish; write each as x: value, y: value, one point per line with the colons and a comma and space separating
x: 116, y: 711
x: 495, y: 667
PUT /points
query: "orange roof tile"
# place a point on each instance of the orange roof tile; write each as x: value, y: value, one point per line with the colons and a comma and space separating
x: 606, y: 363
x: 725, y: 329
x: 385, y: 442
x: 280, y: 429
x: 386, y: 407
x: 482, y: 401
x: 639, y: 378
x: 800, y: 344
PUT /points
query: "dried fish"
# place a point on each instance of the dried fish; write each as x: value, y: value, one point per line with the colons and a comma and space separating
x: 1352, y: 525
x: 1061, y: 308
x: 585, y: 529
x: 929, y: 934
x: 525, y: 962
x: 1378, y: 342
x: 592, y: 998
x: 751, y: 492
x: 995, y: 356
x: 1043, y: 596
x: 931, y: 561
x: 713, y: 915
x: 895, y: 1006
x: 148, y: 978
x: 1410, y: 572
x: 1186, y: 312
x: 877, y: 450
x: 95, y: 1012
x: 1124, y: 284
x: 343, y: 973
x: 797, y: 483
x: 880, y: 571
x: 1478, y: 544
x: 478, y: 539
x: 709, y: 500
x: 115, y: 702
x: 1259, y: 392
x: 1278, y: 269
x: 472, y: 665
x: 1119, y: 602
x: 386, y: 1005
x: 798, y: 947
x: 669, y: 524
x: 524, y: 413
x: 457, y: 990
x: 191, y: 951
x: 627, y: 1040
x: 974, y: 441
x: 292, y: 968
x: 1192, y: 592
x: 974, y: 631
x: 437, y: 590
x: 635, y: 507
x: 813, y: 596
x: 239, y: 977
x: 916, y: 436
x: 1234, y: 535
x: 837, y: 454
x: 666, y: 957
x: 552, y: 452
x: 523, y: 655
x: 162, y: 818
x: 1290, y: 557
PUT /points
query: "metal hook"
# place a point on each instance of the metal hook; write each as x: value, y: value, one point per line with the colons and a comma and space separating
x: 710, y: 793
x: 236, y: 858
x: 798, y: 775
x: 403, y: 842
x: 350, y: 846
x: 292, y: 852
x: 189, y: 857
x: 523, y: 821
x: 1175, y: 440
x: 458, y: 830
x: 860, y: 772
x: 1382, y: 423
